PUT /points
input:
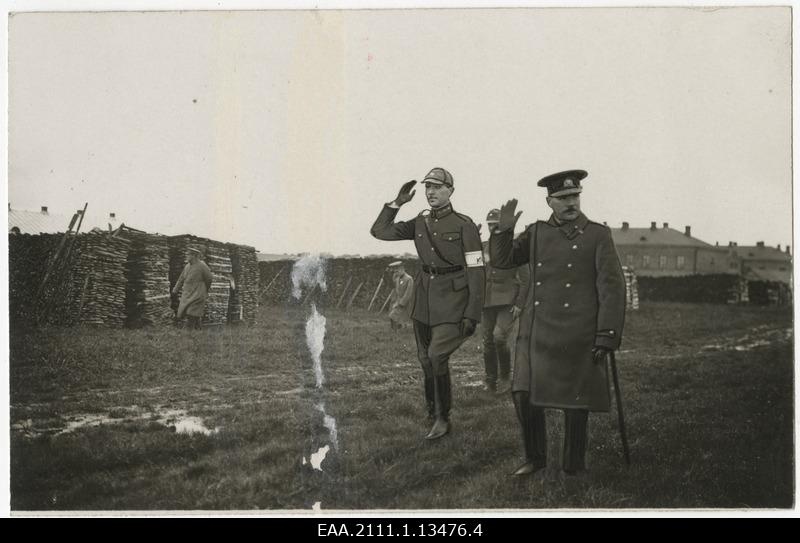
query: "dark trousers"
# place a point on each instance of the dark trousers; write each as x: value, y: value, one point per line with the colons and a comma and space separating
x: 435, y: 344
x: 497, y: 324
x: 534, y: 434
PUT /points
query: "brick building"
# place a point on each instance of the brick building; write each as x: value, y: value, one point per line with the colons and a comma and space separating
x: 666, y: 252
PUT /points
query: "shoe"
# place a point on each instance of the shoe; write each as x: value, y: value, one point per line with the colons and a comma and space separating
x: 490, y: 388
x: 439, y: 429
x: 528, y: 468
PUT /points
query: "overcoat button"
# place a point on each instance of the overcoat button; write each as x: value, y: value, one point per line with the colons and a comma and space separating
x: 566, y: 305
x: 536, y: 302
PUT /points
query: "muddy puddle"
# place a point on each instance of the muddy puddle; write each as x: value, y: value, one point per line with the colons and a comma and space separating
x: 177, y: 419
x: 759, y: 337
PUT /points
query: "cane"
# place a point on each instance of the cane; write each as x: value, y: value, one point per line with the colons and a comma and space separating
x: 620, y: 415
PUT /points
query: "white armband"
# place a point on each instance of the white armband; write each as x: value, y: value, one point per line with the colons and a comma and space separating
x: 474, y: 259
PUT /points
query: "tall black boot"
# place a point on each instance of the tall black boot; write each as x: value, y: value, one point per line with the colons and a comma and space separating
x: 534, y: 434
x: 441, y: 424
x: 576, y: 423
x: 430, y: 396
x: 504, y: 368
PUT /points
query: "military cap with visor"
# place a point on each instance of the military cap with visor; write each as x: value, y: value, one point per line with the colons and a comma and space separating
x: 563, y: 183
x: 439, y: 176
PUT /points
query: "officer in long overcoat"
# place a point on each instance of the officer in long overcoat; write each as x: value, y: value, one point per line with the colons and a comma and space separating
x: 448, y: 286
x: 572, y: 318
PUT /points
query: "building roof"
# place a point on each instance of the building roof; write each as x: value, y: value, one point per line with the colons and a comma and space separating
x: 659, y: 237
x: 43, y: 222
x: 36, y: 222
x: 759, y: 252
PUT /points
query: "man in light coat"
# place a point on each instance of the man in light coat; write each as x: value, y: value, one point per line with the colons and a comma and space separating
x: 193, y: 284
x: 572, y: 319
x: 402, y: 296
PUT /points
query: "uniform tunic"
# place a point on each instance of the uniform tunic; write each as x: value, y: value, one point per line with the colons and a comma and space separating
x: 448, y: 285
x: 576, y: 302
x: 504, y: 287
x: 440, y: 298
x: 196, y: 281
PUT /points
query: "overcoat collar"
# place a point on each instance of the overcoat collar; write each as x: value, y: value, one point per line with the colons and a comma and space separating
x: 572, y: 228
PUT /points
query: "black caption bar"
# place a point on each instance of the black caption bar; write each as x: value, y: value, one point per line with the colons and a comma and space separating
x: 403, y: 528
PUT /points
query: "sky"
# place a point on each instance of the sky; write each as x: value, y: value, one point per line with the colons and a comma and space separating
x: 288, y: 130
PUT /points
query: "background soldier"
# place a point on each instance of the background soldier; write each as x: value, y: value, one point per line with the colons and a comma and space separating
x: 195, y: 280
x: 572, y: 319
x: 400, y: 312
x: 506, y: 291
x: 448, y: 287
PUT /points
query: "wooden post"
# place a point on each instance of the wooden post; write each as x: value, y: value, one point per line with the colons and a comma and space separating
x: 56, y: 255
x: 389, y: 297
x: 353, y: 297
x: 346, y: 286
x: 372, y: 301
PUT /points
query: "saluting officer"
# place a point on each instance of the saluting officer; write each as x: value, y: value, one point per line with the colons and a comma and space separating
x: 504, y: 299
x: 448, y: 287
x: 572, y: 318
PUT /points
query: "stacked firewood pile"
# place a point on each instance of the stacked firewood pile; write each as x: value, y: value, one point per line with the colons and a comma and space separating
x: 97, y: 278
x: 85, y: 284
x: 122, y: 278
x: 148, y: 289
x: 631, y: 288
x: 27, y: 255
x: 244, y: 297
x: 216, y: 256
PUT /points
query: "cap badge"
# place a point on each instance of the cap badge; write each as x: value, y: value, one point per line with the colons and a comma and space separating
x: 569, y: 183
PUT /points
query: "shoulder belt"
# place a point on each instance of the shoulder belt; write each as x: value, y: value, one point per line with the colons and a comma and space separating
x: 430, y: 240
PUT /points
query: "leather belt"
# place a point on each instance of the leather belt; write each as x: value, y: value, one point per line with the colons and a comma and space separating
x: 433, y: 270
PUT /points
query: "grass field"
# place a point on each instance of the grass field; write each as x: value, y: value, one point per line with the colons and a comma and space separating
x: 708, y: 395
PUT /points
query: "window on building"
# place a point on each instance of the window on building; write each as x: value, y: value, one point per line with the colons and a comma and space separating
x: 629, y: 260
x: 681, y: 262
x: 646, y: 261
x: 662, y: 261
x: 733, y: 264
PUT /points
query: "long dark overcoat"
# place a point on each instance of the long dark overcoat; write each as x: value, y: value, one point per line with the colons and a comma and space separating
x: 576, y: 301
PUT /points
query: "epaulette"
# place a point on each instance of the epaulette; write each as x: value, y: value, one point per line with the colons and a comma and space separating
x: 464, y: 218
x: 598, y: 224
